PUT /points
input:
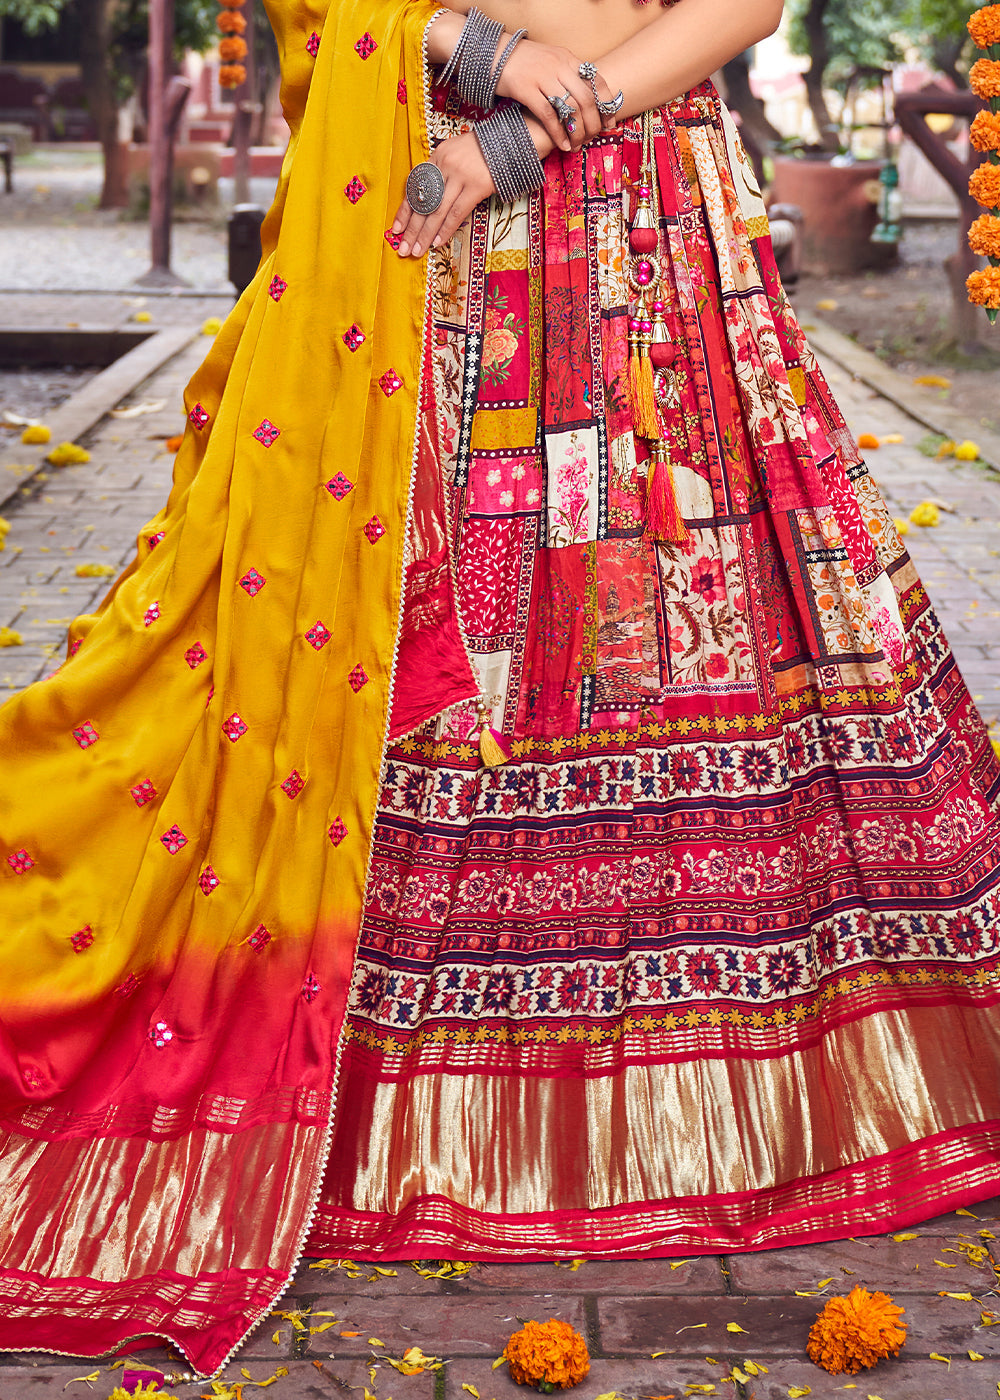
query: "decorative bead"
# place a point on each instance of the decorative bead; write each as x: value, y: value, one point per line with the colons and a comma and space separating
x: 267, y: 433
x: 645, y: 327
x: 208, y: 880
x: 174, y: 839
x: 160, y: 1034
x: 81, y: 941
x: 252, y: 582
x: 312, y: 44
x: 339, y: 485
x: 358, y: 678
x: 143, y: 792
x: 293, y: 784
x: 662, y: 353
x: 20, y: 862
x: 337, y: 832
x: 659, y: 307
x: 390, y: 382
x: 644, y: 272
x: 354, y: 189
x: 195, y: 655
x: 259, y: 939
x: 86, y: 734
x: 354, y: 338
x: 318, y: 636
x: 374, y: 530
x: 198, y: 416
x: 278, y: 287
x: 365, y: 46
x: 234, y: 727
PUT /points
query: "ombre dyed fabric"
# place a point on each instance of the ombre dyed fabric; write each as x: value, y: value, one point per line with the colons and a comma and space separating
x: 712, y: 963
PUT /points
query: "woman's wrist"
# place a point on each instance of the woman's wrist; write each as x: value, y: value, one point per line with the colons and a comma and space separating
x: 444, y: 34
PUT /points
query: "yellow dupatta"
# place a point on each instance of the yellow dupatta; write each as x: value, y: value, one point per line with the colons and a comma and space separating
x: 187, y: 804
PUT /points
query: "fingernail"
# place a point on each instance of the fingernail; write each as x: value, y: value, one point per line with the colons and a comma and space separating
x: 397, y: 227
x: 417, y: 250
x: 437, y: 242
x: 403, y: 249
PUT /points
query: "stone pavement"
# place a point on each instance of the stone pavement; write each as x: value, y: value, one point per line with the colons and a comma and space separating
x: 91, y: 514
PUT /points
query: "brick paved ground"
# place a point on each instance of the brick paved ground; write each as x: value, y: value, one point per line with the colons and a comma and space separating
x: 628, y: 1311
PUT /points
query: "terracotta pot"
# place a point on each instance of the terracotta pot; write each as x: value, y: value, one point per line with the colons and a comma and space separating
x: 838, y: 211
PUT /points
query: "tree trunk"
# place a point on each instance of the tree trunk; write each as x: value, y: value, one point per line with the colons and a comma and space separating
x: 95, y: 72
x: 819, y: 51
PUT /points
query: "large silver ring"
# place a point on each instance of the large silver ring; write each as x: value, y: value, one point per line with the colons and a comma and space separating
x: 564, y: 108
x: 588, y: 72
x: 424, y: 188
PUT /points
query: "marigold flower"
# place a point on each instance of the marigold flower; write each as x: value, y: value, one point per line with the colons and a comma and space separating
x: 231, y: 75
x: 229, y: 22
x: 967, y: 451
x: 232, y: 49
x: 984, y: 288
x: 926, y: 513
x: 173, y: 444
x: 36, y: 432
x: 984, y: 26
x: 853, y: 1333
x: 984, y: 185
x: 868, y: 440
x: 68, y: 454
x: 10, y: 638
x: 984, y: 77
x: 985, y: 131
x: 984, y: 236
x: 547, y: 1355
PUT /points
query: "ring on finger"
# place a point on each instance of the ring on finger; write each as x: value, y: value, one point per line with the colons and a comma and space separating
x: 563, y: 108
x: 588, y: 71
x: 424, y: 188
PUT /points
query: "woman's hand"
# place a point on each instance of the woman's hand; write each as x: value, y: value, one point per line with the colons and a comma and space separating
x: 536, y: 72
x: 467, y: 181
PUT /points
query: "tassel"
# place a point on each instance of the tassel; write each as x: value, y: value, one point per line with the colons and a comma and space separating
x: 640, y: 378
x: 663, y: 518
x: 643, y: 237
x: 494, y: 749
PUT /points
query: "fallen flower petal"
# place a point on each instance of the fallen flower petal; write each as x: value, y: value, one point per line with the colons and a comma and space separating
x: 868, y: 440
x: 796, y: 1392
x: 926, y: 514
x: 962, y: 1297
x: 935, y: 1356
x: 735, y: 1326
x: 68, y: 454
x: 976, y: 1356
x: 10, y: 638
x: 967, y: 451
x: 35, y: 433
x: 933, y: 381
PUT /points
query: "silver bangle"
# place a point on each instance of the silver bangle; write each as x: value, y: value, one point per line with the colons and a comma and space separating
x: 588, y: 71
x: 509, y: 153
x: 516, y: 38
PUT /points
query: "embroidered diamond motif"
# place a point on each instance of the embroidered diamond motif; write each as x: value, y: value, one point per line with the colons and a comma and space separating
x: 354, y: 189
x: 365, y: 46
x: 390, y: 382
x: 198, y: 416
x: 234, y: 728
x: 209, y: 696
x: 143, y: 792
x: 293, y: 784
x: 358, y: 678
x: 318, y: 636
x: 393, y: 239
x: 252, y: 582
x: 259, y: 939
x: 312, y: 43
x: 195, y: 655
x: 354, y: 338
x: 161, y: 1034
x: 310, y: 988
x: 278, y: 287
x: 75, y: 645
x: 126, y: 988
x: 20, y: 862
x: 339, y: 485
x: 174, y: 839
x: 152, y: 614
x: 337, y: 832
x: 374, y: 530
x: 31, y: 1077
x: 81, y: 941
x: 267, y: 433
x: 208, y: 880
x: 154, y: 540
x: 401, y: 93
x: 86, y: 734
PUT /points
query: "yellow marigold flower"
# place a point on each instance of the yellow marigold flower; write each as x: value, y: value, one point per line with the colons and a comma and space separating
x: 984, y: 236
x: 141, y: 1392
x: 983, y: 287
x: 996, y: 746
x: 4, y: 527
x: 142, y: 317
x: 36, y: 432
x: 985, y: 131
x: 232, y: 49
x: 868, y: 440
x: 984, y: 78
x: 68, y: 454
x: 231, y: 75
x: 547, y: 1355
x: 984, y: 26
x: 212, y: 326
x: 10, y: 638
x: 853, y: 1333
x: 967, y: 451
x: 984, y: 183
x: 926, y: 513
x: 94, y: 570
x: 902, y: 526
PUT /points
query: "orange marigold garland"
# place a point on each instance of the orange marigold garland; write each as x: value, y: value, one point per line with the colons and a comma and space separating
x: 852, y: 1333
x: 983, y: 286
x: 232, y: 74
x: 232, y: 50
x: 229, y: 22
x: 547, y: 1355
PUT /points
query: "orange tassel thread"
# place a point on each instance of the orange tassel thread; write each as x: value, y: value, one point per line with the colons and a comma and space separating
x: 494, y: 749
x: 663, y: 518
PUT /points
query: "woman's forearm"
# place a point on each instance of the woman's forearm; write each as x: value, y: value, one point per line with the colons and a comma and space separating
x: 683, y: 47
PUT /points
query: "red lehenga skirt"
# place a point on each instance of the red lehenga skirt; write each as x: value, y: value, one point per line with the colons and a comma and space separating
x: 711, y: 963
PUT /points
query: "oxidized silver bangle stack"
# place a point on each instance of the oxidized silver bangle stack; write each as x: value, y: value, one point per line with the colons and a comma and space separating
x: 471, y: 64
x: 510, y: 153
